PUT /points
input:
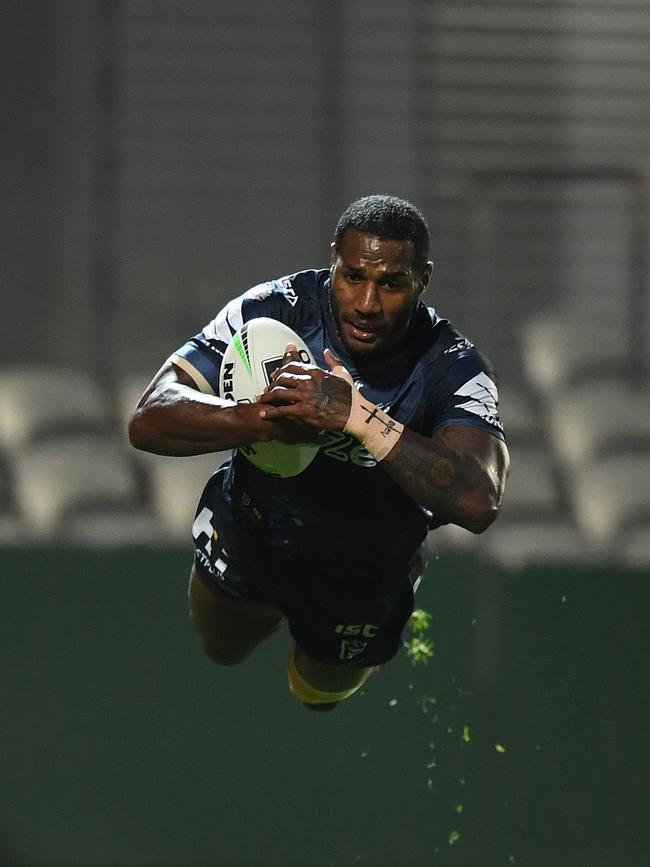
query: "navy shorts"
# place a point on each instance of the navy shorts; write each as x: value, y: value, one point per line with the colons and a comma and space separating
x: 335, y: 615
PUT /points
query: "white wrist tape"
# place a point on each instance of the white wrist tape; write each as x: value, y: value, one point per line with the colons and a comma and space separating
x: 371, y: 425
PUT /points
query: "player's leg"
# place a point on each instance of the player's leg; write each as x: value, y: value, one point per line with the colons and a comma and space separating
x: 342, y: 637
x: 229, y: 628
x: 314, y: 682
x: 229, y: 611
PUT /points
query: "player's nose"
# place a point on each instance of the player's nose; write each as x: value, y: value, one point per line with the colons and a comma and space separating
x: 367, y: 299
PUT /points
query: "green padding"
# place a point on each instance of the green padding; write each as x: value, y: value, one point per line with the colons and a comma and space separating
x: 122, y: 745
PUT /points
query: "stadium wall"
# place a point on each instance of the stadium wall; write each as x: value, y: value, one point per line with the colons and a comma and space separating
x: 122, y: 745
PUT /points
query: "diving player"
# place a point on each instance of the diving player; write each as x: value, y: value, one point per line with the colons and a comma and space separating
x: 405, y: 410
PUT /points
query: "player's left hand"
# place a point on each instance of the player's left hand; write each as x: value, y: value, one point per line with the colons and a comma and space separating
x: 308, y: 394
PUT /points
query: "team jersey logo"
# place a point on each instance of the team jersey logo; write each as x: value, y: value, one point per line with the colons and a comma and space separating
x: 464, y: 343
x: 288, y: 291
x: 483, y: 398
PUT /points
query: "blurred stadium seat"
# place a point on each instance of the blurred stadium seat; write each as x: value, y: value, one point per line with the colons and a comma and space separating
x: 73, y: 475
x: 129, y: 390
x: 110, y: 526
x: 12, y: 529
x: 68, y: 477
x: 39, y: 401
x: 175, y: 485
x: 536, y: 523
x: 580, y: 452
x: 523, y: 542
x: 598, y: 418
x: 520, y: 416
x: 612, y: 497
x: 559, y: 352
x: 532, y: 490
x: 634, y: 547
x: 449, y: 538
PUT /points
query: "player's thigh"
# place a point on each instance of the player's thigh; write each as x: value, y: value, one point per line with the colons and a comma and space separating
x: 351, y: 625
x: 229, y: 628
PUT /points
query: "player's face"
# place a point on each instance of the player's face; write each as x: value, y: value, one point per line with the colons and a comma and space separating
x: 375, y: 288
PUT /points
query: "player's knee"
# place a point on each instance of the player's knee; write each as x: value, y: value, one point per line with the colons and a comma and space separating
x: 222, y: 656
x: 313, y: 697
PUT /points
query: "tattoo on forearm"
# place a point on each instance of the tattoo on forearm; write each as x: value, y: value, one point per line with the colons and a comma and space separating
x: 423, y: 467
x: 442, y: 473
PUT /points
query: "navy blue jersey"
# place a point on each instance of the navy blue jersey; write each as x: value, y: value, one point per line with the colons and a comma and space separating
x: 344, y: 498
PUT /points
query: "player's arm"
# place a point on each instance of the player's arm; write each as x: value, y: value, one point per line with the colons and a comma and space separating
x: 458, y: 474
x: 173, y: 417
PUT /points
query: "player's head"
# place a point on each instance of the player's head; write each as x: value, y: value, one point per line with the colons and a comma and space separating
x: 384, y: 217
x: 379, y: 268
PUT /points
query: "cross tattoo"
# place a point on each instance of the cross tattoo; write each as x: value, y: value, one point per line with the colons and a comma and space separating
x: 389, y: 425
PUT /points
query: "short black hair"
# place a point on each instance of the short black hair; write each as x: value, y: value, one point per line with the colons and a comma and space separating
x: 387, y: 217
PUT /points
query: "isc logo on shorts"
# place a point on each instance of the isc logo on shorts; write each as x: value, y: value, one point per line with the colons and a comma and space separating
x: 352, y: 646
x: 367, y: 630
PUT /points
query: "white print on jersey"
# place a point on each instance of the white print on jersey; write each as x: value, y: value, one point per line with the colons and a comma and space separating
x: 483, y: 398
x: 230, y: 318
x: 352, y: 649
x: 203, y: 525
x: 289, y: 292
x: 462, y: 344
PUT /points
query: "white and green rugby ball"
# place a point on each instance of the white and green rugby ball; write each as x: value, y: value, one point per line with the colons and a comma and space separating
x: 254, y: 352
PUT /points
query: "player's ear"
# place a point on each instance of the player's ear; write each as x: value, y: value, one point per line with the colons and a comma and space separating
x: 425, y: 276
x: 332, y: 254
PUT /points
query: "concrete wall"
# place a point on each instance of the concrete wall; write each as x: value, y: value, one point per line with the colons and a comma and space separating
x: 162, y: 156
x: 121, y: 746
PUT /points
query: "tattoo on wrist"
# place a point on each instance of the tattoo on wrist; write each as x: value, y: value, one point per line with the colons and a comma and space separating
x: 375, y: 428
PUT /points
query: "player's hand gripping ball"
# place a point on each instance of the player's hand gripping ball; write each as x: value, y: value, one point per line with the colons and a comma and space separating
x: 251, y: 357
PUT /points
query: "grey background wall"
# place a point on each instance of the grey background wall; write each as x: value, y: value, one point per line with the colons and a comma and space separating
x: 160, y: 156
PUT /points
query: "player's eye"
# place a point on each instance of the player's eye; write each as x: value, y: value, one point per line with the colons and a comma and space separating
x: 353, y: 277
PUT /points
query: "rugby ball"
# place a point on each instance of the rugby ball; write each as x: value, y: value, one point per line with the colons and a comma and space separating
x: 254, y: 352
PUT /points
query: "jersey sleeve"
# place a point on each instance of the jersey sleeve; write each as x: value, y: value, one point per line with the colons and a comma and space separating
x: 201, y: 356
x: 467, y: 394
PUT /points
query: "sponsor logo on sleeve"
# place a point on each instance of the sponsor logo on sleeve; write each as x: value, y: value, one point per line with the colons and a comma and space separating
x: 483, y: 399
x: 289, y: 292
x: 458, y: 346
